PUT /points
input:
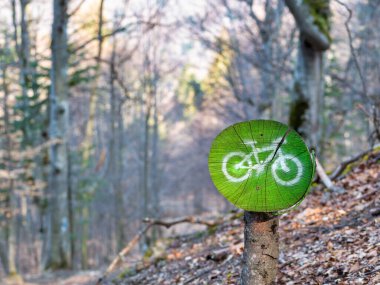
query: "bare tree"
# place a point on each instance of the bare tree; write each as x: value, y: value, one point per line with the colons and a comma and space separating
x: 87, y: 142
x: 57, y: 245
x: 10, y: 197
x: 24, y: 62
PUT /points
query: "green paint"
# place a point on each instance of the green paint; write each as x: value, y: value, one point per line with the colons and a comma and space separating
x: 261, y: 166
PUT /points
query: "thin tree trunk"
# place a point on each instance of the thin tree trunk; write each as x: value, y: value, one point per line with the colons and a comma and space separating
x: 141, y: 155
x: 86, y: 145
x: 146, y: 200
x: 155, y: 187
x: 10, y: 199
x: 261, y: 249
x: 57, y: 239
x: 3, y: 251
x: 146, y: 207
x: 24, y: 58
x: 14, y: 22
x: 115, y: 163
x: 119, y: 197
x: 71, y: 212
x: 94, y: 92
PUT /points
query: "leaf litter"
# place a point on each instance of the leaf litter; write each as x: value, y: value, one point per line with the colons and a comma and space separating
x: 331, y: 238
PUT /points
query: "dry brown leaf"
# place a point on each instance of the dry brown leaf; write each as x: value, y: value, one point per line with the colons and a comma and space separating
x: 355, y: 267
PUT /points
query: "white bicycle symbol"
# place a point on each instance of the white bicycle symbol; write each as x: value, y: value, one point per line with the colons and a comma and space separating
x: 245, y: 162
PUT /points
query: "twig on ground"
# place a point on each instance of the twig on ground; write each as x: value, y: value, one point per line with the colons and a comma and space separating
x: 375, y: 211
x: 366, y: 195
x: 200, y: 273
x: 341, y: 167
x: 189, y: 219
x: 218, y: 254
x: 154, y: 222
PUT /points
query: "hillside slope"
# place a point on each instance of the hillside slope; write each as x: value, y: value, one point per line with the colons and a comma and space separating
x: 329, y: 239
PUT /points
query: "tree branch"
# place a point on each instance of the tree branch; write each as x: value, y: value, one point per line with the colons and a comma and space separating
x: 114, y: 32
x: 154, y: 222
x: 341, y: 167
x: 252, y: 13
x: 76, y: 9
x: 305, y: 22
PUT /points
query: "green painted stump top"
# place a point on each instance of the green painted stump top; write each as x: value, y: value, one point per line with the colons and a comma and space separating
x: 261, y: 166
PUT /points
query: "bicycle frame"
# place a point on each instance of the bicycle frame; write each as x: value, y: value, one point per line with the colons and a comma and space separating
x: 260, y: 165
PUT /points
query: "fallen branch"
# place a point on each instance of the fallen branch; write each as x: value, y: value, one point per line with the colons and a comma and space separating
x: 199, y: 274
x: 366, y: 195
x: 326, y: 179
x: 189, y: 219
x: 206, y: 271
x: 341, y: 167
x: 375, y: 212
x: 218, y: 254
x: 153, y: 222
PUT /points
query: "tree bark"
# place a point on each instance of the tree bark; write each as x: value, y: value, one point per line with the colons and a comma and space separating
x: 115, y: 162
x: 155, y: 187
x: 86, y: 145
x: 307, y: 104
x: 261, y: 249
x: 24, y: 59
x: 57, y: 248
x: 10, y: 198
x: 306, y: 23
x: 119, y: 191
x: 146, y: 169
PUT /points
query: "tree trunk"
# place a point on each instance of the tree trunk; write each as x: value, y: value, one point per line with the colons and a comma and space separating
x: 155, y: 175
x: 306, y: 108
x: 57, y: 249
x: 86, y: 145
x: 24, y: 54
x: 10, y: 198
x: 119, y: 191
x: 308, y: 93
x: 146, y: 199
x: 261, y: 249
x: 115, y: 153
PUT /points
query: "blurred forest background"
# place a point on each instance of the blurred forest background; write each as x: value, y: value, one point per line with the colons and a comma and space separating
x: 108, y: 109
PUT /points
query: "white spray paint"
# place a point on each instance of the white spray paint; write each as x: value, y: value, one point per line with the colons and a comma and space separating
x: 245, y: 163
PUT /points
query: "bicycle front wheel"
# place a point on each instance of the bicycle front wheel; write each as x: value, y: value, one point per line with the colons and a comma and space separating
x: 235, y: 168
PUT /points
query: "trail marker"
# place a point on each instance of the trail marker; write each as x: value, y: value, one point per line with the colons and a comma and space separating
x: 261, y: 166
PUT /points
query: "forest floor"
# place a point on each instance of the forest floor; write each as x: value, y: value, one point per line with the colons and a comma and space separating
x: 331, y: 238
x: 63, y: 278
